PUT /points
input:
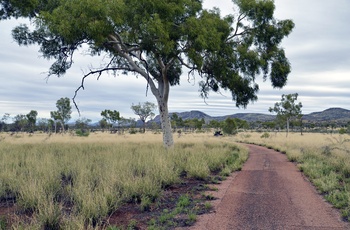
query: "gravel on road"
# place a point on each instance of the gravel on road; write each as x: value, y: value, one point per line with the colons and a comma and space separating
x: 269, y: 193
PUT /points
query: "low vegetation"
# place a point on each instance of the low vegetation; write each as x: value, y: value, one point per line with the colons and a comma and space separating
x: 69, y: 182
x: 323, y: 158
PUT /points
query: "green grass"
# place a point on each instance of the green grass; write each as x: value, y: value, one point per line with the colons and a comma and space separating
x: 76, y: 183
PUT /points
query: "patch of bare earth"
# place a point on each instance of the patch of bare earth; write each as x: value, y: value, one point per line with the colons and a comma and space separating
x: 168, y: 201
x: 131, y: 212
x: 269, y: 193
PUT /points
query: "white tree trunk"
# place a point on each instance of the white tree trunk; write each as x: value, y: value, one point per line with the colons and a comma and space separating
x: 287, y: 127
x: 55, y: 126
x: 62, y: 124
x: 161, y: 93
x: 168, y: 140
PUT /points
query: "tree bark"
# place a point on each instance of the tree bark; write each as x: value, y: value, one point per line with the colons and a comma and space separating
x: 168, y: 140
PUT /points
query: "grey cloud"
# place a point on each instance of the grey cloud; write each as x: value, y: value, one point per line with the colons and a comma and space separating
x: 318, y: 50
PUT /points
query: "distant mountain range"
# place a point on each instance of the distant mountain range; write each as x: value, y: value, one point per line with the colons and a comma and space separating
x: 332, y: 114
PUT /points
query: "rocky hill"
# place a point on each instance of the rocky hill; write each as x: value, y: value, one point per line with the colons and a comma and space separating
x: 332, y: 114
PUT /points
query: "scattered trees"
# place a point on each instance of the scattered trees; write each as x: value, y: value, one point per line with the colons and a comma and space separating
x: 176, y: 121
x: 44, y: 124
x: 19, y: 122
x: 287, y: 109
x: 157, y: 40
x: 144, y: 111
x: 215, y: 124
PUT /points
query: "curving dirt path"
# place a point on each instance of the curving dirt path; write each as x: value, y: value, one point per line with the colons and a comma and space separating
x: 269, y: 193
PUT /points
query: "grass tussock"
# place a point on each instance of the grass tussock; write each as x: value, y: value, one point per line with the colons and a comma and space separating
x: 323, y: 158
x: 68, y: 182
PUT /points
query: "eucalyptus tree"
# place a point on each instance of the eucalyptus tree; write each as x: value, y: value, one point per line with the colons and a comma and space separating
x: 103, y: 124
x: 20, y: 121
x: 287, y: 109
x: 229, y: 126
x: 158, y: 40
x: 111, y: 117
x: 144, y: 111
x: 43, y: 124
x: 63, y: 113
x: 3, y: 125
x: 31, y: 118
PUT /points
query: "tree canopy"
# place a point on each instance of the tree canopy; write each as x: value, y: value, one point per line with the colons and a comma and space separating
x: 111, y: 116
x: 156, y: 39
x: 144, y: 111
x: 287, y: 109
x: 63, y: 113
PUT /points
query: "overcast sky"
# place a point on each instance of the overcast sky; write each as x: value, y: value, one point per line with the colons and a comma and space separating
x: 318, y: 49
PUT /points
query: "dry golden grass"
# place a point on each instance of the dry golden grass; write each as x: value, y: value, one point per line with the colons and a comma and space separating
x: 68, y: 182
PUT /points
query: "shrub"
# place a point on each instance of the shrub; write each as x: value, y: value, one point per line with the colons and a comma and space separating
x: 229, y: 126
x: 342, y: 131
x: 265, y: 135
x: 82, y: 132
x: 132, y: 131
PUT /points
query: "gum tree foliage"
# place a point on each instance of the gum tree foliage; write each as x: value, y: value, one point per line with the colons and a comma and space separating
x: 215, y: 125
x: 20, y: 122
x: 287, y: 109
x: 176, y: 121
x: 111, y: 116
x: 43, y: 124
x: 103, y: 124
x: 229, y: 126
x: 3, y: 125
x: 157, y: 39
x: 63, y: 113
x: 31, y: 118
x: 144, y: 111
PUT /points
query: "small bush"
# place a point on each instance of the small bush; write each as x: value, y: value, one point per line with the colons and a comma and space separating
x: 208, y: 205
x: 132, y: 225
x: 145, y: 203
x: 184, y: 201
x: 82, y: 133
x: 265, y: 135
x: 132, y: 131
x: 192, y: 217
x: 342, y: 131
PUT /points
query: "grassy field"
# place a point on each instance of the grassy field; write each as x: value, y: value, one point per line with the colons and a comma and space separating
x: 70, y: 182
x: 323, y: 158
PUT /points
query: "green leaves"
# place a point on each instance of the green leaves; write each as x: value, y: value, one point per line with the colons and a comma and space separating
x: 111, y: 116
x: 63, y: 113
x: 287, y: 108
x: 280, y: 68
x: 157, y: 38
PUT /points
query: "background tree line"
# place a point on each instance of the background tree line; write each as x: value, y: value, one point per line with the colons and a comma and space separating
x: 289, y: 117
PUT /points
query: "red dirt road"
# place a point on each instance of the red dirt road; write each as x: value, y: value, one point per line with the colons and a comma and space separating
x: 269, y: 193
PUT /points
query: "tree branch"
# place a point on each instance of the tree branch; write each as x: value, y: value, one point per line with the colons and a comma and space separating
x: 99, y: 72
x: 241, y: 17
